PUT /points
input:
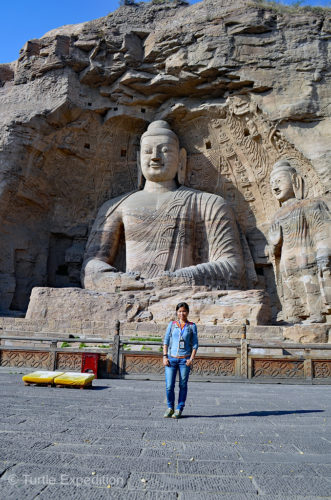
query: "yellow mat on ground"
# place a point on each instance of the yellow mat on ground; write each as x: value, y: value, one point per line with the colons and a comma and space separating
x: 74, y: 378
x: 41, y: 377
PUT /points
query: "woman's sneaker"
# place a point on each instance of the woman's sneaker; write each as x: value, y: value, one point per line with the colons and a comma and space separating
x: 177, y: 414
x: 168, y: 413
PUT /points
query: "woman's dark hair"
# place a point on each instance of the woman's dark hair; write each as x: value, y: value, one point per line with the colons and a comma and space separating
x: 182, y: 304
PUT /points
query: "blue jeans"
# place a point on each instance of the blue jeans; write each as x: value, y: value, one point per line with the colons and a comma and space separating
x: 170, y: 377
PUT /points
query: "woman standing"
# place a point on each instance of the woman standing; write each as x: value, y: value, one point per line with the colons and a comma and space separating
x: 179, y: 349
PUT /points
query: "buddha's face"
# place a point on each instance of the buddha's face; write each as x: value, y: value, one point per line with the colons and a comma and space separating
x: 282, y: 186
x: 159, y: 158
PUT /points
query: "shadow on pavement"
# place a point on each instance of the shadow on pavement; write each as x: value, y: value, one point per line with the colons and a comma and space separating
x: 256, y: 414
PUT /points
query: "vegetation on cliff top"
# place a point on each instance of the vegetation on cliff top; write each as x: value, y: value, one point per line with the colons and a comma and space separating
x: 277, y: 5
x: 294, y: 6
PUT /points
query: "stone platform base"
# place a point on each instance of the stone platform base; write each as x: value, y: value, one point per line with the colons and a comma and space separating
x: 227, y: 307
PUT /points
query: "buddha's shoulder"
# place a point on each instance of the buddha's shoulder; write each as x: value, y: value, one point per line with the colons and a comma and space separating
x: 114, y: 203
x: 318, y: 203
x: 203, y: 195
x: 304, y: 206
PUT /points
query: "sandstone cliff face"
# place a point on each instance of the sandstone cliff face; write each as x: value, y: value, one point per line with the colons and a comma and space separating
x: 242, y: 86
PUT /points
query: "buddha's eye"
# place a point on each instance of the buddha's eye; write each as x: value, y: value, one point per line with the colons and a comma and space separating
x: 147, y: 151
x: 164, y: 149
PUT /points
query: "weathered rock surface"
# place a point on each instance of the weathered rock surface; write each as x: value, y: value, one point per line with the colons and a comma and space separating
x: 242, y: 85
x: 307, y: 334
x: 206, y: 307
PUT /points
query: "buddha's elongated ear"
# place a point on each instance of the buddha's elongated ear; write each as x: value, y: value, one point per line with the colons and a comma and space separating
x: 298, y: 186
x: 181, y: 175
x: 139, y: 172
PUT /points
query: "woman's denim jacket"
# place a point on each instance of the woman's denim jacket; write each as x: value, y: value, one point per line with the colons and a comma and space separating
x: 172, y: 337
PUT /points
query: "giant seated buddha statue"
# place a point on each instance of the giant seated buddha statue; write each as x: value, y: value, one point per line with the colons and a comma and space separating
x: 158, y: 245
x: 164, y: 234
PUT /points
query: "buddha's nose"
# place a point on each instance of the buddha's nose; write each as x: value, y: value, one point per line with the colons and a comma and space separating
x: 156, y: 154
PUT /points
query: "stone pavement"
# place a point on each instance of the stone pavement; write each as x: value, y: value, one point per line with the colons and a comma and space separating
x: 236, y: 442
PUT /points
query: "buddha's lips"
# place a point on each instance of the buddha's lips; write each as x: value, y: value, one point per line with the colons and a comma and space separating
x: 156, y: 165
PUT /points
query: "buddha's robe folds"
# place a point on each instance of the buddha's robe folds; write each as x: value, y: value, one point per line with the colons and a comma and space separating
x: 303, y: 256
x: 193, y: 234
x: 305, y: 234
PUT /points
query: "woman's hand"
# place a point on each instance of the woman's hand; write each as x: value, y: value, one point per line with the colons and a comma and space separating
x: 189, y: 362
x: 165, y: 361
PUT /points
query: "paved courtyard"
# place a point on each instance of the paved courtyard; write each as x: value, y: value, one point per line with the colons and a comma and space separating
x: 237, y: 441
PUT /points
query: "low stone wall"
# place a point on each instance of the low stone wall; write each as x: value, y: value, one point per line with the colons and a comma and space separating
x: 86, y: 328
x: 208, y: 332
x: 57, y: 328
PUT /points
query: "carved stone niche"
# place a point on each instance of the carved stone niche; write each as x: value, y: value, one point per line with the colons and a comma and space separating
x: 231, y: 149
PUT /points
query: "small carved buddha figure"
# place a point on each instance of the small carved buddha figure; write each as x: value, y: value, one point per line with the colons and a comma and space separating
x: 300, y: 247
x: 164, y: 234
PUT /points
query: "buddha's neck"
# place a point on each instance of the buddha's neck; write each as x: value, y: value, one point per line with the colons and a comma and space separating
x: 160, y: 187
x: 288, y: 202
